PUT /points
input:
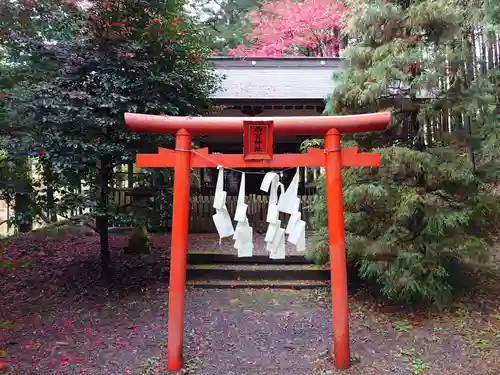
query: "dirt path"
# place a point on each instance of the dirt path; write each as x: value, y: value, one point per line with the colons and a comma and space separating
x: 58, y: 317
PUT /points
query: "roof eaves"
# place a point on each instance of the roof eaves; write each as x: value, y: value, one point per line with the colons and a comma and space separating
x: 222, y: 62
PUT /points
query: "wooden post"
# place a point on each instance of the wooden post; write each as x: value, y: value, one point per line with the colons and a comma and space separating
x: 178, y: 250
x: 202, y: 181
x: 338, y: 271
x: 303, y: 181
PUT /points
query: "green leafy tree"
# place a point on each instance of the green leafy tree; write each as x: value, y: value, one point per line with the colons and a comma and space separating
x: 226, y: 22
x: 413, y: 224
x: 25, y: 28
x: 127, y: 56
x: 489, y: 154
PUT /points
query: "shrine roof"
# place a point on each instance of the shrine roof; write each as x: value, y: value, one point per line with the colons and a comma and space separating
x: 275, y: 77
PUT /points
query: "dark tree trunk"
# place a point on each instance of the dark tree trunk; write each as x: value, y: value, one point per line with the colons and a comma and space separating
x: 102, y: 222
x: 416, y: 131
x: 302, y: 181
x: 79, y: 190
x: 445, y: 126
x: 22, y: 199
x: 491, y: 50
x: 49, y: 180
x: 484, y: 63
x: 22, y: 208
x: 469, y: 77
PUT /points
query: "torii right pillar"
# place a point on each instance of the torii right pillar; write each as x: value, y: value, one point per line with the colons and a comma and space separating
x: 336, y: 241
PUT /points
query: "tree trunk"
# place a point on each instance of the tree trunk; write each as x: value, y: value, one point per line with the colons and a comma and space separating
x: 22, y: 199
x: 49, y: 180
x: 496, y: 51
x: 79, y: 190
x: 102, y: 222
x: 416, y: 133
x: 302, y: 181
x: 429, y: 132
x: 490, y: 40
x: 22, y: 208
x: 484, y: 63
x: 469, y: 77
x: 470, y: 152
x: 445, y: 126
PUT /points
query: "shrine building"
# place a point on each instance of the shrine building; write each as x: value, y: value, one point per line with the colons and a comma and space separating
x: 264, y: 87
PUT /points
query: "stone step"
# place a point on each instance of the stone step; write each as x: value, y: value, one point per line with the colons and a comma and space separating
x: 210, y: 257
x: 258, y: 284
x: 257, y: 272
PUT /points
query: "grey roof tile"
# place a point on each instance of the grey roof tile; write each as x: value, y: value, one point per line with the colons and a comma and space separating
x: 281, y: 78
x: 275, y: 78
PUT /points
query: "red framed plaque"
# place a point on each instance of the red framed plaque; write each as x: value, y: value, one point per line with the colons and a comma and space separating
x: 258, y: 140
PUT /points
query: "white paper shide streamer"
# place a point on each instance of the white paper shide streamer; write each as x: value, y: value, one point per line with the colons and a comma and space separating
x: 289, y: 203
x: 275, y: 235
x: 243, y: 233
x: 222, y: 220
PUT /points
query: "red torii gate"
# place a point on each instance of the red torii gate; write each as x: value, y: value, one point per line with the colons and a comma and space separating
x: 258, y: 141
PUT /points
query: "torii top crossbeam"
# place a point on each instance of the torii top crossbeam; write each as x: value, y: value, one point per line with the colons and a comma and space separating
x: 225, y: 126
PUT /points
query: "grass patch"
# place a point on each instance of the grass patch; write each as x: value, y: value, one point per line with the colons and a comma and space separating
x: 418, y: 366
x: 416, y: 363
x: 150, y: 366
x: 7, y: 264
x: 402, y: 325
x: 481, y: 346
x: 478, y: 330
x: 191, y: 366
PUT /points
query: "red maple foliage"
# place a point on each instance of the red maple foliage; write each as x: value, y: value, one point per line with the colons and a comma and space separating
x: 287, y: 27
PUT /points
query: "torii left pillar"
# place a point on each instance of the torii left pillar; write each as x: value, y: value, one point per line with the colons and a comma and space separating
x: 180, y: 221
x: 333, y: 158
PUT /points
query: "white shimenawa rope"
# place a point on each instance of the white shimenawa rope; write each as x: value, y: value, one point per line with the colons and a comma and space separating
x: 229, y: 169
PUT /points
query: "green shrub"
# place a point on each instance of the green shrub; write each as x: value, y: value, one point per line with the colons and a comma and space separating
x: 411, y: 224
